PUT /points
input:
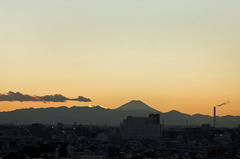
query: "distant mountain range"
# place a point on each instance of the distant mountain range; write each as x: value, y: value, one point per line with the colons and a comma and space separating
x: 102, y: 116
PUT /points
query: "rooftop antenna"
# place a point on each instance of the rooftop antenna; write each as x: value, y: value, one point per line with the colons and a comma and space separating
x: 214, y: 112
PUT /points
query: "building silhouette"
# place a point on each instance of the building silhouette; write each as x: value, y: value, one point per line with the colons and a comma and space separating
x: 141, y: 127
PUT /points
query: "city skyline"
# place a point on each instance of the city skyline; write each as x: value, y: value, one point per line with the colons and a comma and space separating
x: 175, y: 55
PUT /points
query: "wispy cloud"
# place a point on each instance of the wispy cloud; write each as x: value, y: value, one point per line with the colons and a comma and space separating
x: 12, y: 96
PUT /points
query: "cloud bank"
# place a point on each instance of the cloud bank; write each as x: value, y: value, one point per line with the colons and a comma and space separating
x: 11, y: 97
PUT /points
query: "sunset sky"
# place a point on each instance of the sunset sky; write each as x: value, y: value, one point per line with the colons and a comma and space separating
x: 175, y: 54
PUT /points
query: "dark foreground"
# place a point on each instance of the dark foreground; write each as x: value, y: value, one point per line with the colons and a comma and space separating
x: 37, y: 141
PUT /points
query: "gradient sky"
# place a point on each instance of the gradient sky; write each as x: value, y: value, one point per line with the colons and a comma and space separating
x: 175, y: 54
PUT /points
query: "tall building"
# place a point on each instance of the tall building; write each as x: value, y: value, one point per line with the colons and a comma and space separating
x: 141, y: 127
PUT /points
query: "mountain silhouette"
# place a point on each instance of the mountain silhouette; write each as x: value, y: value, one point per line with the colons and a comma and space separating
x: 137, y: 105
x: 101, y: 116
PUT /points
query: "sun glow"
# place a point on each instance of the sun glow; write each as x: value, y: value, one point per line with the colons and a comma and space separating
x: 92, y: 106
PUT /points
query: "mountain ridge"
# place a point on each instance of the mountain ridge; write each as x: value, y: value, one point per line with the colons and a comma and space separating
x: 104, y: 116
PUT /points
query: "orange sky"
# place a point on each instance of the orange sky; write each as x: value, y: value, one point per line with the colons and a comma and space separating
x: 181, y: 55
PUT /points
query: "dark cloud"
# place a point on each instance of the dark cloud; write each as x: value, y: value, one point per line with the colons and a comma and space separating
x: 81, y: 98
x: 11, y: 96
x: 53, y: 98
